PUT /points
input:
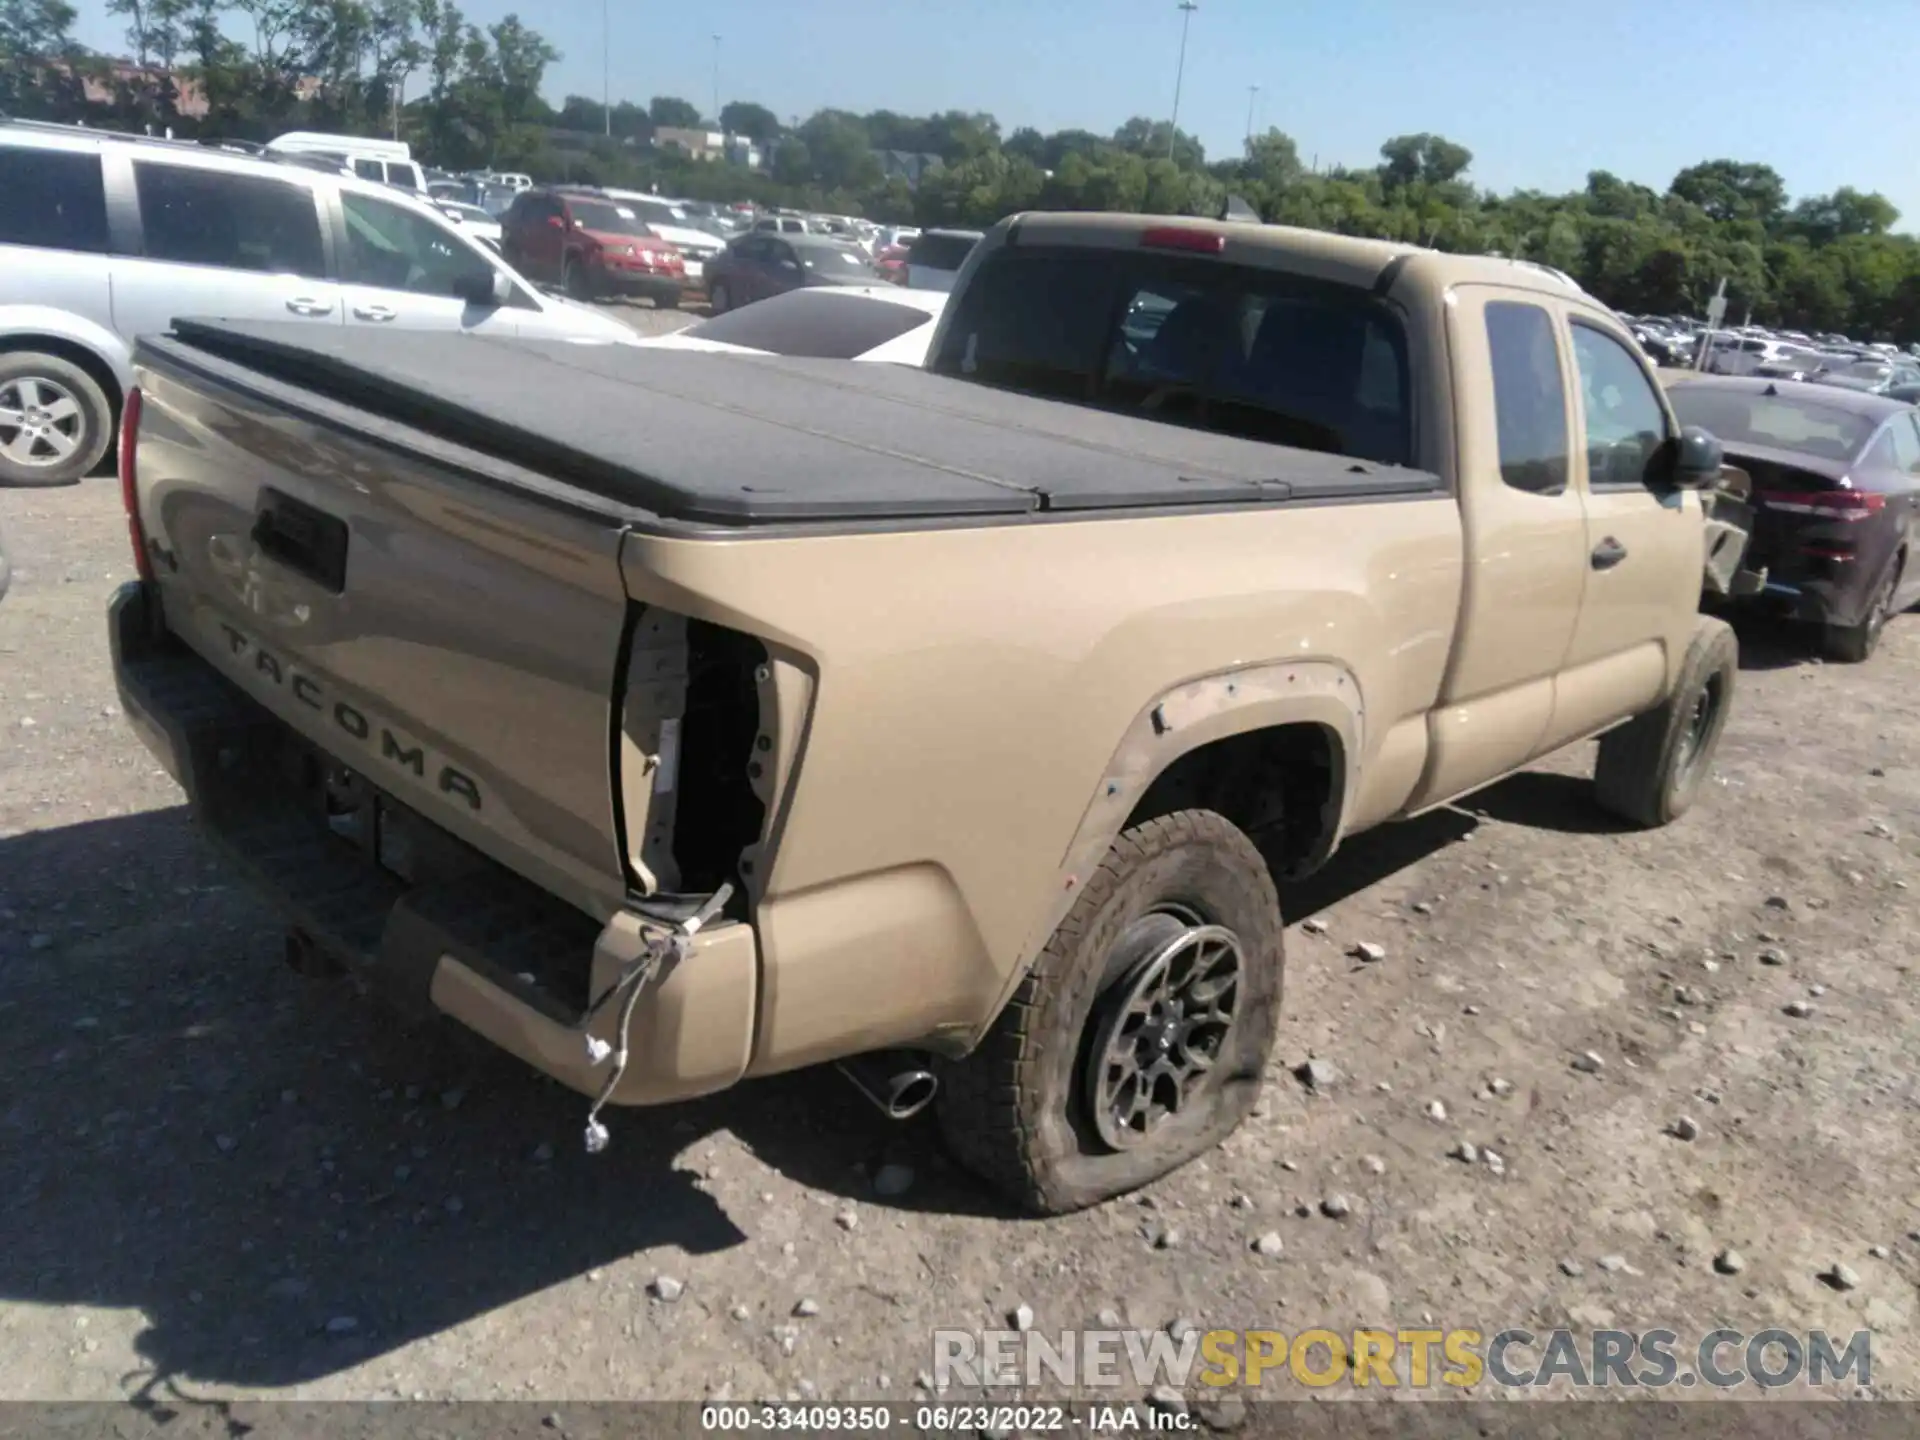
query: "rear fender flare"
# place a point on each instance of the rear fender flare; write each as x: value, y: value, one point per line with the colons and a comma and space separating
x: 1179, y: 721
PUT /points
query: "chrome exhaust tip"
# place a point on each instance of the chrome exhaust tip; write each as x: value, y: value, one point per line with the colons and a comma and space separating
x: 897, y: 1082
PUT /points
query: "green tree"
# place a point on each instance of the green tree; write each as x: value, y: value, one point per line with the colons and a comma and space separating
x: 672, y: 111
x: 756, y: 122
x: 1727, y: 190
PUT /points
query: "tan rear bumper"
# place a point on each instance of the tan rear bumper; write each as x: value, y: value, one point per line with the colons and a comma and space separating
x: 489, y: 949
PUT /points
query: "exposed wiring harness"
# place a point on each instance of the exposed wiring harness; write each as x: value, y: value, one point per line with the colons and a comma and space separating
x: 675, y: 945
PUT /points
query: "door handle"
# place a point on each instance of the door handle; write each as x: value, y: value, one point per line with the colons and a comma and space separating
x: 377, y: 313
x: 1608, y: 553
x: 305, y: 305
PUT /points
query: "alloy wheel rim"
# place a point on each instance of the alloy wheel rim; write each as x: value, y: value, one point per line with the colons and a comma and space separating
x: 1159, y: 1033
x: 41, y: 421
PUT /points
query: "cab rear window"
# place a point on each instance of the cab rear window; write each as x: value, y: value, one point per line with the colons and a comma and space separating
x: 1255, y: 353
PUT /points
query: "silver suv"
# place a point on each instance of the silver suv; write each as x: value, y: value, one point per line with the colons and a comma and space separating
x: 104, y: 237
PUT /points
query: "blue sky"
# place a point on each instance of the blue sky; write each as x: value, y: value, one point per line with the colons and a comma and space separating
x: 1820, y: 89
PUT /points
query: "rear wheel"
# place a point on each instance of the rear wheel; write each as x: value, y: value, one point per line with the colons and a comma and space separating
x: 1651, y: 769
x: 1139, y: 1038
x: 55, y: 421
x: 719, y: 301
x: 1854, y: 643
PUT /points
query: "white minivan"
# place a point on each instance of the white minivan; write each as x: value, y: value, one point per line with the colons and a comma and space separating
x: 107, y: 237
x: 385, y: 162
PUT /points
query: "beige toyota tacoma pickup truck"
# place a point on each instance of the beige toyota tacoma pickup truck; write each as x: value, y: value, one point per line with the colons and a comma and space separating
x: 676, y: 719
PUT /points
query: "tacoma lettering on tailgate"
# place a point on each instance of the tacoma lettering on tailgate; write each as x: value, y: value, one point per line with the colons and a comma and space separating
x: 348, y: 719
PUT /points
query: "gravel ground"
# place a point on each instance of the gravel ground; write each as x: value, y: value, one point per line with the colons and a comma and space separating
x: 229, y: 1180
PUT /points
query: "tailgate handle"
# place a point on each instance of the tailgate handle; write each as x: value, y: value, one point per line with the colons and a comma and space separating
x: 302, y: 538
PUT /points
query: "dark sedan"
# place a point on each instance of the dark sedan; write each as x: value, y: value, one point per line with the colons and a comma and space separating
x: 763, y: 263
x: 1836, y: 478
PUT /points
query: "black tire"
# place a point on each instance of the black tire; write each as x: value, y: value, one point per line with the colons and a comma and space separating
x: 718, y: 299
x: 1017, y: 1110
x: 577, y: 282
x: 1651, y: 768
x: 87, y: 428
x: 1852, y: 644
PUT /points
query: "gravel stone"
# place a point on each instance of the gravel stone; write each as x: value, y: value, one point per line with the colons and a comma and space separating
x: 1772, y: 955
x: 1499, y: 1087
x: 1878, y: 1252
x: 1227, y: 1412
x: 1589, y: 1063
x: 1021, y: 1317
x: 1613, y: 1264
x: 1270, y: 1244
x: 1315, y: 926
x: 1572, y: 1268
x: 1320, y: 1075
x: 807, y: 1308
x: 1168, y: 1399
x: 1171, y: 1238
x: 666, y: 1289
x: 1336, y: 1207
x: 1465, y: 1151
x: 1373, y: 1165
x: 1437, y: 1111
x: 1841, y: 1276
x: 1798, y: 1009
x: 1684, y: 1127
x: 1729, y: 1261
x: 1368, y: 953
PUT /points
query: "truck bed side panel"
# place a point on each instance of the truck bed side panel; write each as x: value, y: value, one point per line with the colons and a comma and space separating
x: 972, y: 688
x: 455, y: 645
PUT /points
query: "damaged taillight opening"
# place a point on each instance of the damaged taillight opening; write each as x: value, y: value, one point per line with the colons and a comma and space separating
x: 688, y: 753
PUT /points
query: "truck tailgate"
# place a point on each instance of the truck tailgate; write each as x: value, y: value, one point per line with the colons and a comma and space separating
x: 455, y: 644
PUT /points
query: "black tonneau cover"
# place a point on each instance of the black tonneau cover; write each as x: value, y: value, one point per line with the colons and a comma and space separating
x: 756, y: 440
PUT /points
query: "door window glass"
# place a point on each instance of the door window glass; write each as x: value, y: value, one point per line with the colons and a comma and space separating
x: 1529, y: 398
x: 198, y: 216
x: 1625, y: 421
x: 391, y: 247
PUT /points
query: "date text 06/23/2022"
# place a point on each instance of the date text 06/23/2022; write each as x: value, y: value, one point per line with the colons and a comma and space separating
x: 939, y: 1419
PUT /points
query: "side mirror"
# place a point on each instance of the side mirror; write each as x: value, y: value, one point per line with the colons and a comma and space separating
x: 489, y: 287
x: 554, y: 222
x: 1696, y: 460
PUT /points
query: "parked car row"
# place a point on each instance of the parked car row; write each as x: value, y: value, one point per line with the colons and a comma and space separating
x: 105, y: 237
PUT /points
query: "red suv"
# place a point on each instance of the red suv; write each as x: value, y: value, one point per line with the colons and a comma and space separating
x: 592, y: 246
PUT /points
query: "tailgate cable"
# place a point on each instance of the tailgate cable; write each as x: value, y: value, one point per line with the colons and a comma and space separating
x: 676, y: 944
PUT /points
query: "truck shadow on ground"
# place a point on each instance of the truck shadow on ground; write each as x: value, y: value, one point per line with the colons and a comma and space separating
x: 285, y: 1181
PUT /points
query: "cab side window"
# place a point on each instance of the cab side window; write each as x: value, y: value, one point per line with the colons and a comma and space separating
x: 1529, y: 397
x: 1625, y: 421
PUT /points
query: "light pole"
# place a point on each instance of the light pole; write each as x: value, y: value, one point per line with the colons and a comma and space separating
x: 606, y: 69
x: 1253, y: 94
x: 716, y: 80
x: 1187, y: 7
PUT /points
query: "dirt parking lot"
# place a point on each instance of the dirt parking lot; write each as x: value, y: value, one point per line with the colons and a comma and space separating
x: 229, y: 1180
